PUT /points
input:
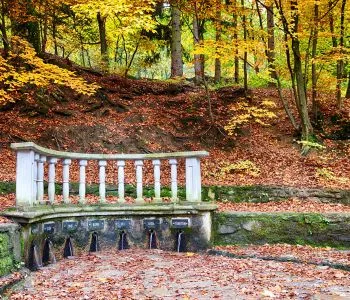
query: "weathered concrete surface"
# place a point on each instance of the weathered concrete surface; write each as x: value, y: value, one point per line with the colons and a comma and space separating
x: 295, y: 228
x: 10, y: 247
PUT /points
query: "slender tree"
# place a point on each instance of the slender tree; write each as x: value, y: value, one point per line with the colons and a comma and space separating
x: 101, y: 21
x: 176, y: 47
x: 4, y: 37
x: 217, y: 76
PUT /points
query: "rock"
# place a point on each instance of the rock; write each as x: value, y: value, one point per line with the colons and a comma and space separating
x: 227, y: 229
x: 251, y: 225
x: 211, y: 194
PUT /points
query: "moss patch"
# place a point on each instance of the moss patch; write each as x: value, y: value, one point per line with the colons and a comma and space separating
x: 7, y: 188
x: 4, y: 245
x: 6, y: 265
x: 293, y: 228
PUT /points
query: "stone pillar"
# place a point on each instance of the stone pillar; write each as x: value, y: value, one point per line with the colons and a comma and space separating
x: 139, y: 198
x: 25, y: 192
x: 173, y: 169
x: 35, y: 182
x: 65, y: 180
x: 82, y: 179
x: 193, y: 179
x: 52, y: 175
x: 156, y: 165
x: 102, y: 175
x: 121, y: 189
x: 40, y: 180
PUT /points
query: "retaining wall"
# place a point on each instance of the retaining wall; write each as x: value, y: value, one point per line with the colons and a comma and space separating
x: 294, y: 228
x: 264, y: 193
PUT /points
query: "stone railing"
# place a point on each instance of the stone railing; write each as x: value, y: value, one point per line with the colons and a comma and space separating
x: 30, y: 174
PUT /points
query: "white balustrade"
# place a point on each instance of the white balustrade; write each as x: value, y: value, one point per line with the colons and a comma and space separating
x: 65, y: 180
x: 30, y: 174
x: 40, y: 179
x: 173, y: 170
x: 52, y: 175
x: 25, y: 193
x: 35, y: 182
x: 121, y: 190
x: 102, y: 175
x: 82, y: 181
x: 139, y: 190
x: 193, y: 179
x: 156, y: 165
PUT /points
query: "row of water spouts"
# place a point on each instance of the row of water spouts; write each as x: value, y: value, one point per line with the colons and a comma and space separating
x: 48, y: 257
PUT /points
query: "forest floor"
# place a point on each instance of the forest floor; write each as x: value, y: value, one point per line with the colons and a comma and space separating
x: 141, y: 116
x: 133, y: 116
x: 156, y: 274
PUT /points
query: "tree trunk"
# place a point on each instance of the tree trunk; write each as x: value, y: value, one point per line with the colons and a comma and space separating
x: 245, y: 56
x: 44, y: 30
x: 306, y: 126
x: 101, y: 20
x: 4, y: 37
x: 235, y: 38
x: 252, y: 37
x: 340, y: 62
x: 176, y: 48
x: 315, y: 104
x: 29, y: 30
x: 271, y: 44
x: 198, y: 58
x: 347, y: 95
x: 217, y: 76
x: 34, y: 30
x: 54, y: 33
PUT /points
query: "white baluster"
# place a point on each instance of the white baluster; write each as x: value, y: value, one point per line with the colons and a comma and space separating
x: 173, y: 166
x: 139, y: 164
x: 65, y: 180
x: 40, y: 180
x: 121, y: 190
x: 25, y: 195
x: 52, y: 175
x: 156, y: 164
x: 193, y: 179
x: 102, y: 175
x: 35, y: 182
x: 82, y: 179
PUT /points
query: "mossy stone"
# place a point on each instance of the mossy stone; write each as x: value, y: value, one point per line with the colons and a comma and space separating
x: 4, y: 245
x: 6, y: 265
x: 292, y: 228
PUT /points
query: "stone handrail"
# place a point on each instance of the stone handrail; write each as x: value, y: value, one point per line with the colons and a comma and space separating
x: 30, y: 173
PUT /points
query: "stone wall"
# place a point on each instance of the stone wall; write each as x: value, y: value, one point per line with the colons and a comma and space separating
x: 293, y: 228
x: 10, y: 247
x: 261, y: 193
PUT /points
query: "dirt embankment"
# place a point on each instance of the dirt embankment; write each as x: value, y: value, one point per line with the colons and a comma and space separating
x: 146, y: 116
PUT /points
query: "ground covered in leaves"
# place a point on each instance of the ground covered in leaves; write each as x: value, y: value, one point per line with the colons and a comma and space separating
x: 306, y: 254
x: 155, y: 274
x: 142, y: 116
x: 290, y: 205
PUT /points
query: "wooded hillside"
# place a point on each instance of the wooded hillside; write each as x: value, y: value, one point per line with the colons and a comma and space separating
x: 259, y: 83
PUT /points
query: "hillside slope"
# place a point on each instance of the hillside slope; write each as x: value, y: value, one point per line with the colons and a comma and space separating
x: 133, y: 116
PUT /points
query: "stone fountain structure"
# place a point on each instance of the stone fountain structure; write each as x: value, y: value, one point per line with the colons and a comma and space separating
x: 42, y: 217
